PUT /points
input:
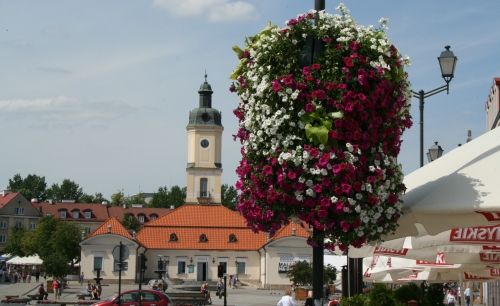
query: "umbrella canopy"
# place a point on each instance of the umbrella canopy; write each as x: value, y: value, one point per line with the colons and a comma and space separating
x: 457, y: 190
x: 29, y: 260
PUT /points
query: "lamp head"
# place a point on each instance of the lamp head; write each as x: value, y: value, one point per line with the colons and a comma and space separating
x: 447, y: 62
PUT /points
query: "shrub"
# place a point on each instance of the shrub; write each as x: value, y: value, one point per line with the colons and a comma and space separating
x: 408, y: 292
x: 381, y: 296
x: 355, y: 300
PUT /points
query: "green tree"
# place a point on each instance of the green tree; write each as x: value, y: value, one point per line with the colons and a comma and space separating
x: 177, y: 196
x: 56, y: 264
x: 130, y: 222
x: 97, y: 198
x: 31, y: 187
x: 68, y: 190
x: 136, y: 199
x: 301, y: 274
x: 53, y: 235
x: 329, y: 274
x: 229, y: 196
x: 160, y: 198
x: 117, y: 199
x: 14, y: 242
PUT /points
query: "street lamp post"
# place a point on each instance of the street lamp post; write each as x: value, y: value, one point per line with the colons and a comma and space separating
x: 447, y: 62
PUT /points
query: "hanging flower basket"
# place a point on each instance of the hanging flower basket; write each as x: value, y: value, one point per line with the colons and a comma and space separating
x: 321, y: 113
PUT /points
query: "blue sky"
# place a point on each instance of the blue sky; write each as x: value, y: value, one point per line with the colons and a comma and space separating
x: 99, y: 91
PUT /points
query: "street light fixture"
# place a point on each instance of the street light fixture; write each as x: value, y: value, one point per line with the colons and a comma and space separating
x: 447, y: 63
x: 435, y: 152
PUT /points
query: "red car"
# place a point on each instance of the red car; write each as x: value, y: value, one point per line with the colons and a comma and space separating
x: 130, y: 298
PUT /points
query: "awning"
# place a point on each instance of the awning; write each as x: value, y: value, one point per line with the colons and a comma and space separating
x: 29, y: 260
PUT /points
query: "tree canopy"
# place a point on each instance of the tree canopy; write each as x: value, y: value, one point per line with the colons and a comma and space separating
x: 14, y: 242
x: 229, y: 196
x: 97, y: 198
x: 31, y: 187
x: 160, y: 198
x: 68, y: 190
x: 131, y: 223
x: 177, y: 196
x: 54, y: 236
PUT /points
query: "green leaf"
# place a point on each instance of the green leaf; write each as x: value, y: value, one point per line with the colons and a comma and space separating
x: 317, y: 134
x: 327, y: 123
x: 238, y: 69
x: 237, y: 50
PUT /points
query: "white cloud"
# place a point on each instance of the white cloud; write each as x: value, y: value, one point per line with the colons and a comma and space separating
x: 54, y: 70
x: 54, y: 32
x: 16, y: 43
x: 235, y: 11
x: 216, y: 10
x: 63, y: 110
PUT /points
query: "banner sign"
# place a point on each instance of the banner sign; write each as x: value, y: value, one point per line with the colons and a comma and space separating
x: 287, y: 261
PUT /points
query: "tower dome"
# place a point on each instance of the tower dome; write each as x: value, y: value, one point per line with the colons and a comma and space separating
x: 205, y: 115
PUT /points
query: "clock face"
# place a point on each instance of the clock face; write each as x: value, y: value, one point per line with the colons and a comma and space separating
x: 204, y: 143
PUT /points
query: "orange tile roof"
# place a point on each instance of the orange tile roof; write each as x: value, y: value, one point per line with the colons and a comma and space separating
x: 7, y: 198
x: 99, y: 212
x: 286, y: 231
x: 190, y: 215
x: 190, y: 221
x: 116, y: 228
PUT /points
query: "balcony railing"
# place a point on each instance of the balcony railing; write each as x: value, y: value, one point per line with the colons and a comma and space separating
x: 204, y: 194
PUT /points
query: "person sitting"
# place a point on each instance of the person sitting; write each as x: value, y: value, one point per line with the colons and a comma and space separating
x: 93, y: 293
x: 88, y: 289
x: 204, y: 289
x: 99, y: 290
x: 43, y: 294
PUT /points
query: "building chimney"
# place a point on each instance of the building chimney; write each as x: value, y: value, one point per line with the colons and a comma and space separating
x: 172, y: 207
x: 5, y: 192
x: 124, y: 205
x: 68, y: 201
x: 104, y: 203
x: 50, y: 202
x: 34, y: 200
x: 40, y: 209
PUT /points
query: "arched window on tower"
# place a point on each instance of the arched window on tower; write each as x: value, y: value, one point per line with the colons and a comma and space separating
x: 203, y: 188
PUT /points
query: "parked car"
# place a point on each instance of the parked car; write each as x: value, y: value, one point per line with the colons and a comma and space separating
x: 130, y: 298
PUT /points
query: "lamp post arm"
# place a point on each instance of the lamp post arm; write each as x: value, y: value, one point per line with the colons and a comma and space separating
x: 432, y: 92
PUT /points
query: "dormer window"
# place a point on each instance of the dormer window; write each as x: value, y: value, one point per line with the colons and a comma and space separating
x: 62, y: 214
x: 173, y: 237
x: 203, y: 238
x: 141, y: 218
x: 76, y: 214
x: 232, y: 238
x: 153, y: 217
x: 88, y: 214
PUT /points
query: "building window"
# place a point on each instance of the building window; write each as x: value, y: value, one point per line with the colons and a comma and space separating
x: 232, y: 238
x: 19, y: 224
x: 141, y: 218
x: 76, y: 214
x: 181, y: 266
x: 2, y: 238
x: 48, y: 214
x: 3, y: 224
x: 153, y: 217
x: 97, y: 263
x: 203, y: 238
x: 87, y: 230
x: 88, y: 214
x: 32, y: 225
x: 242, y: 267
x: 203, y: 188
x: 173, y: 237
x: 18, y: 210
x: 62, y: 214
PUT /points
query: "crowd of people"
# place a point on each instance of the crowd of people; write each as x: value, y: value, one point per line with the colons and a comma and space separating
x: 18, y: 274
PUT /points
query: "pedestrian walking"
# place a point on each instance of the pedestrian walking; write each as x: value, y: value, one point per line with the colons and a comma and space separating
x: 287, y: 299
x: 55, y: 286
x: 81, y: 279
x: 37, y: 275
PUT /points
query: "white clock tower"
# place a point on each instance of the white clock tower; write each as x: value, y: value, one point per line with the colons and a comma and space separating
x: 204, y: 167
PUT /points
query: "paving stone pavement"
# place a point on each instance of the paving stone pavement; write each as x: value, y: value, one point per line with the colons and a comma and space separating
x: 243, y: 296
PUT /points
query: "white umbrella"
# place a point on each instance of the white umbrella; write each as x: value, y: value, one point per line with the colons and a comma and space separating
x: 29, y: 260
x: 460, y: 189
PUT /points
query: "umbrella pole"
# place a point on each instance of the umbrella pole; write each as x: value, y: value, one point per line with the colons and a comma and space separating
x: 462, y: 294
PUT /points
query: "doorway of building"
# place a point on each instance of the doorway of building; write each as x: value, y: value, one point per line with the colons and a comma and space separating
x: 201, y: 273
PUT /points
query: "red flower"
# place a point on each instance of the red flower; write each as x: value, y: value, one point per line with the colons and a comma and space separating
x: 315, y: 66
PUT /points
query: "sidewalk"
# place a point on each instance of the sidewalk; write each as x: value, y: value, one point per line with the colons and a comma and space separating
x: 246, y: 296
